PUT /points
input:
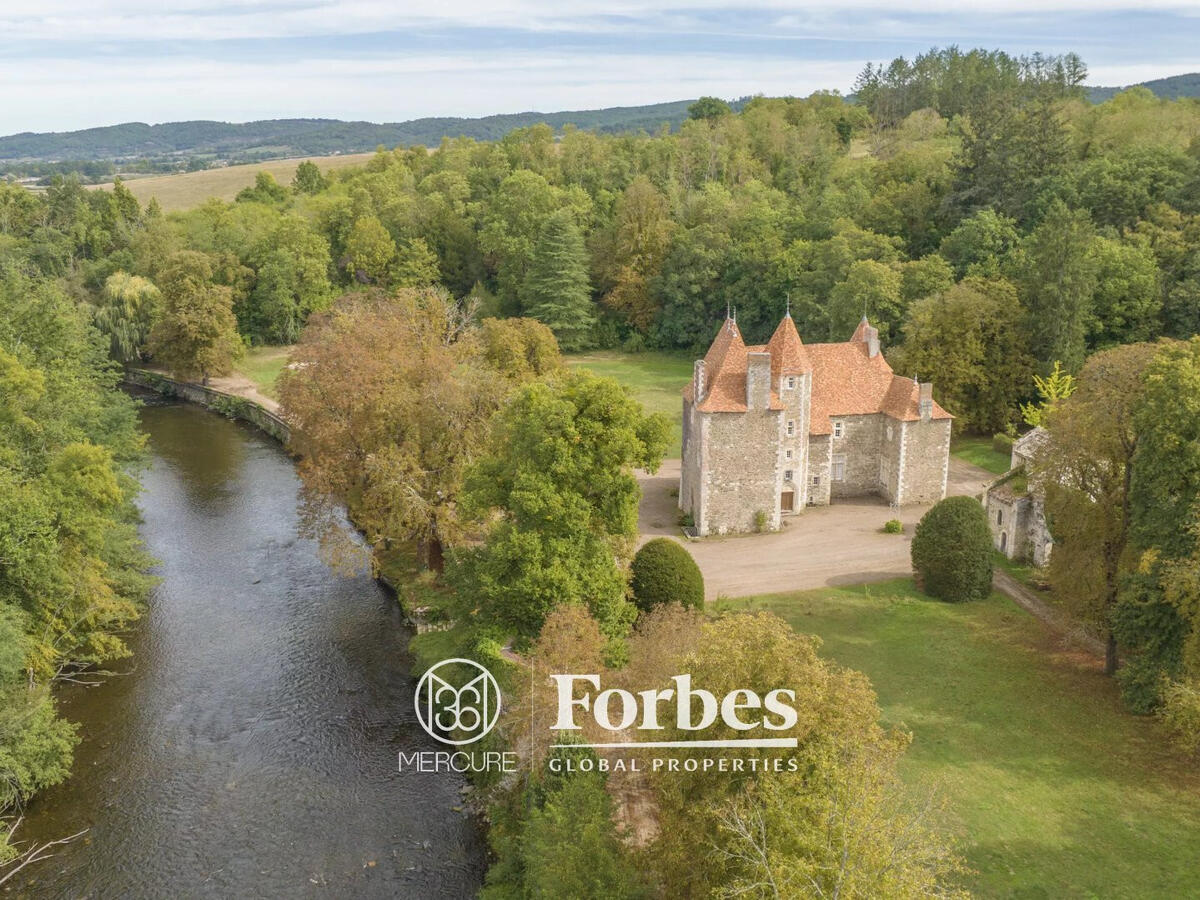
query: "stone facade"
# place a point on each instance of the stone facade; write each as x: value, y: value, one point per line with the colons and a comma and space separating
x: 771, y: 429
x: 1015, y: 509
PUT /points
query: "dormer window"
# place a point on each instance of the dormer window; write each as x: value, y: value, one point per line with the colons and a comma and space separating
x: 837, y: 429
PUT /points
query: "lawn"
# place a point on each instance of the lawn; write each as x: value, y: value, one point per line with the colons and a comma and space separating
x: 979, y: 452
x: 1058, y: 791
x: 262, y: 365
x: 656, y: 380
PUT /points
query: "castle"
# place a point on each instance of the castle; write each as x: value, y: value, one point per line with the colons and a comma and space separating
x: 771, y: 429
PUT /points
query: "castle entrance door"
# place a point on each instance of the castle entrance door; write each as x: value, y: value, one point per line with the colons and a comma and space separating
x: 786, y: 500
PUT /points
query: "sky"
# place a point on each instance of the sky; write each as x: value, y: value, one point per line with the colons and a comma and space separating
x: 68, y: 64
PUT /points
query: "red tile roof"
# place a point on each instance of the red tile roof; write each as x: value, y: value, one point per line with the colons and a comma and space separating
x: 846, y: 379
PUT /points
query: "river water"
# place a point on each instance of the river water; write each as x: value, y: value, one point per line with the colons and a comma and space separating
x: 248, y: 748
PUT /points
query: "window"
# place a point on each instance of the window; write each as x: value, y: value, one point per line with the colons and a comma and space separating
x: 837, y: 429
x: 787, y: 475
x: 838, y: 472
x: 791, y: 427
x: 787, y: 454
x: 999, y: 517
x: 816, y: 480
x: 791, y: 382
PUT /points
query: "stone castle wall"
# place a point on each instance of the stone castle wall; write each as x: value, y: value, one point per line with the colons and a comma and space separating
x: 742, y: 473
x: 926, y: 461
x: 858, y: 448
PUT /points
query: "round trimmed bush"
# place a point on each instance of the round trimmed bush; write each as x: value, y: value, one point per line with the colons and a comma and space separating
x: 952, y: 551
x: 664, y: 572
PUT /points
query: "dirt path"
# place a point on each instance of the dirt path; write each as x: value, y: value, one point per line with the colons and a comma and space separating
x: 1051, y: 615
x: 241, y: 386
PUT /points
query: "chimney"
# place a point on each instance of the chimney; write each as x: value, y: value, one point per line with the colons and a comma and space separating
x: 699, y: 387
x: 925, y: 401
x: 872, y: 342
x: 758, y: 380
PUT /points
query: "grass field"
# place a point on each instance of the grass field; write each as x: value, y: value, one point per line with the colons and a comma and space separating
x: 1058, y: 791
x: 188, y: 189
x: 978, y: 451
x: 262, y: 365
x: 656, y: 380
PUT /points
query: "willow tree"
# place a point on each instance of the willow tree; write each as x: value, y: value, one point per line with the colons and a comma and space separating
x: 128, y: 307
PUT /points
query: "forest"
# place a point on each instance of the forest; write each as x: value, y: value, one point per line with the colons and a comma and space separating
x: 996, y: 226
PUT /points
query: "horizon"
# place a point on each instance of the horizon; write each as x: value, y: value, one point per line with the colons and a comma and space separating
x: 75, y: 67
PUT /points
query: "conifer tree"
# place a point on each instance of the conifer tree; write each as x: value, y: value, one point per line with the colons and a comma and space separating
x: 557, y: 292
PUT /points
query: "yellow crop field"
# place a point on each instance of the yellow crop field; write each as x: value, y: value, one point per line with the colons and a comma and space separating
x: 189, y: 189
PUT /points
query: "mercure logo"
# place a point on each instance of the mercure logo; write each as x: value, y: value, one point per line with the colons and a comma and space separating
x: 457, y: 715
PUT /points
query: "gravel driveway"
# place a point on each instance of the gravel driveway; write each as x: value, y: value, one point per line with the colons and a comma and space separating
x: 831, y: 545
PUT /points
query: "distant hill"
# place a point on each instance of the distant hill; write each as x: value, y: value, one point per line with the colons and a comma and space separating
x: 1173, y: 88
x: 311, y: 137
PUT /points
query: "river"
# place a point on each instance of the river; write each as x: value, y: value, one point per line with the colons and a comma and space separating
x: 249, y: 745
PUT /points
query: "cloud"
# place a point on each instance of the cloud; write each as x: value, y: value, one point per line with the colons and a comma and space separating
x: 392, y: 89
x: 75, y: 63
x: 194, y: 20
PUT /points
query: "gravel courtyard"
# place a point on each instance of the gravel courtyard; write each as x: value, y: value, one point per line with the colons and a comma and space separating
x: 831, y: 545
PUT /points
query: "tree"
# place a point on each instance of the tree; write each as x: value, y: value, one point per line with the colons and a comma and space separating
x: 292, y: 282
x: 1157, y: 615
x: 1055, y: 271
x: 369, y: 251
x: 308, y: 178
x: 521, y: 349
x: 389, y: 399
x: 197, y: 333
x: 71, y: 579
x: 980, y: 244
x: 266, y: 190
x: 664, y: 572
x: 415, y: 265
x: 632, y: 255
x: 872, y: 289
x: 841, y: 825
x: 1052, y: 389
x: 556, y: 290
x: 971, y: 342
x: 126, y: 314
x: 1127, y: 303
x: 571, y: 846
x: 557, y: 492
x: 707, y: 108
x: 952, y: 551
x: 1086, y: 469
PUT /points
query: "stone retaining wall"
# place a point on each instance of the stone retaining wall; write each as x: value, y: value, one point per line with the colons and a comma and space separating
x: 228, y: 404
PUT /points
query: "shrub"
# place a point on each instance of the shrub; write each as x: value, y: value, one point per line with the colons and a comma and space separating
x: 1002, y: 443
x: 664, y: 572
x: 760, y: 521
x: 635, y: 343
x: 952, y: 551
x: 893, y: 526
x: 1180, y: 714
